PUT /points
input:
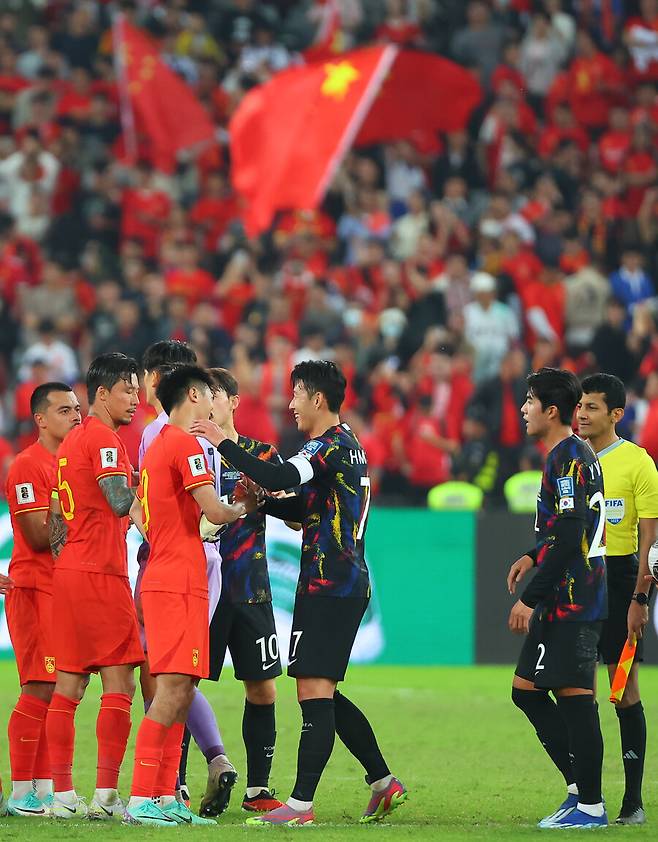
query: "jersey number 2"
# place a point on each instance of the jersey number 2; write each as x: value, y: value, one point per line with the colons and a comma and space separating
x: 597, y: 548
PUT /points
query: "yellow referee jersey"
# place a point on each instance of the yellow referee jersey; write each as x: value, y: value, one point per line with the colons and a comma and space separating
x: 630, y: 482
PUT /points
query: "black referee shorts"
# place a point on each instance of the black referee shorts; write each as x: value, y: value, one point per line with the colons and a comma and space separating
x: 622, y: 578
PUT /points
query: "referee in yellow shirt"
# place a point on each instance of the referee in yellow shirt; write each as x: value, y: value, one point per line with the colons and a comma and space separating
x: 630, y: 482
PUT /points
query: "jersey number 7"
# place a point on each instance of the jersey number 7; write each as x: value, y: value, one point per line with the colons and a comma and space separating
x: 365, y: 483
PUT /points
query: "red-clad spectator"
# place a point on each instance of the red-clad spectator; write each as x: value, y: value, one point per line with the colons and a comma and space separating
x: 508, y: 70
x: 640, y: 169
x: 399, y: 28
x: 615, y: 143
x: 215, y: 209
x: 641, y: 38
x: 145, y: 210
x: 76, y: 101
x: 519, y: 262
x: 426, y: 449
x: 648, y: 433
x: 596, y: 84
x: 544, y: 301
x: 187, y: 278
x: 645, y: 108
x: 563, y: 127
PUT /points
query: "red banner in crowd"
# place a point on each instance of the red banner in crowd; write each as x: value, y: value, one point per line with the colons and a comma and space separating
x: 155, y: 103
x: 289, y: 135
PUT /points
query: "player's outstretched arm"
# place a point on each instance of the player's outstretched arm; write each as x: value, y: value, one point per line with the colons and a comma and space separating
x: 268, y: 475
x: 56, y: 528
x: 118, y: 494
x: 213, y: 508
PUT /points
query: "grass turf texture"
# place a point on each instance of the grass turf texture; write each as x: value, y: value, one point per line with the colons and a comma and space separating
x: 473, y: 766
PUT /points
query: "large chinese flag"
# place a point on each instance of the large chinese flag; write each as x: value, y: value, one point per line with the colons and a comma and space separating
x: 155, y: 102
x: 289, y: 135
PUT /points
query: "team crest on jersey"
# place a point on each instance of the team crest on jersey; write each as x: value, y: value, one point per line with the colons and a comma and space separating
x: 25, y: 493
x: 565, y: 486
x: 310, y: 448
x: 50, y: 665
x: 197, y: 464
x: 109, y: 457
x: 615, y: 509
x: 195, y: 657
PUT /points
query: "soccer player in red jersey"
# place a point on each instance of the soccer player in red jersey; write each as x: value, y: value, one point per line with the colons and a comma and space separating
x: 28, y: 605
x: 175, y: 488
x: 94, y: 622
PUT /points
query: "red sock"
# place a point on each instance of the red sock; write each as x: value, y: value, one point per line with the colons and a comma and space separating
x: 165, y: 782
x: 112, y: 732
x: 42, y: 769
x: 151, y: 739
x: 60, y: 732
x: 24, y: 731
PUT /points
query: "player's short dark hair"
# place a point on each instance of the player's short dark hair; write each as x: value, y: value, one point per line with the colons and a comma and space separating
x: 167, y: 352
x: 611, y: 387
x: 106, y: 370
x: 172, y: 389
x: 225, y: 381
x: 321, y: 376
x: 556, y: 387
x: 39, y: 397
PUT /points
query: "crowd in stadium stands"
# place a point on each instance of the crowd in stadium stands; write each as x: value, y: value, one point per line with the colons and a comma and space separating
x: 438, y: 270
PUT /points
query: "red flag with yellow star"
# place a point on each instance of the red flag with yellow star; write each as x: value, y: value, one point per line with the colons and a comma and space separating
x: 289, y: 135
x: 155, y: 102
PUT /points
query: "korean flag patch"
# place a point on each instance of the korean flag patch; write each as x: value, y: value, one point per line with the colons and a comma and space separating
x: 565, y: 486
x: 197, y: 464
x: 109, y: 457
x: 25, y: 493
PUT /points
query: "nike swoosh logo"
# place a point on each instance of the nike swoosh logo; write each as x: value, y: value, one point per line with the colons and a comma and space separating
x: 26, y: 740
x: 267, y: 666
x: 105, y: 810
x: 70, y: 809
x: 270, y: 755
x: 36, y: 812
x: 153, y: 765
x: 294, y: 661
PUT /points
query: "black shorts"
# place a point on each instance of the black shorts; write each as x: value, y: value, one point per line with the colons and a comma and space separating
x: 248, y: 631
x: 622, y: 578
x: 560, y: 654
x: 323, y: 632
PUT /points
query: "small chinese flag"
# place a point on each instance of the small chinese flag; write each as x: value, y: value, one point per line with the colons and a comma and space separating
x: 622, y: 671
x: 154, y: 101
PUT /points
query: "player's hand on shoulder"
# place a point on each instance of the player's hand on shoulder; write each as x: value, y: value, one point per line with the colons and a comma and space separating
x: 6, y: 584
x: 638, y: 617
x: 208, y: 430
x: 519, y: 618
x: 517, y: 571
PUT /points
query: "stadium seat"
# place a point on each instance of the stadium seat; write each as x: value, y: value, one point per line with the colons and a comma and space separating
x: 521, y: 491
x: 455, y: 497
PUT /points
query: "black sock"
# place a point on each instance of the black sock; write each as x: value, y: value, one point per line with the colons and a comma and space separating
x: 355, y: 731
x: 259, y: 735
x: 185, y: 745
x: 633, y: 728
x: 586, y: 744
x: 315, y: 745
x: 545, y: 717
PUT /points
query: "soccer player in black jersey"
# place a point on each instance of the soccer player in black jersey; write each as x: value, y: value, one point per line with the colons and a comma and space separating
x: 333, y: 588
x: 562, y: 608
x: 244, y: 620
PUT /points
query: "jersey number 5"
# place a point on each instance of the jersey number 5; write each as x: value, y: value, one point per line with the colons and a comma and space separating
x: 597, y: 548
x: 65, y: 488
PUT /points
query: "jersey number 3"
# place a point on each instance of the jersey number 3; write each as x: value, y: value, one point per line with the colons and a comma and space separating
x: 597, y: 548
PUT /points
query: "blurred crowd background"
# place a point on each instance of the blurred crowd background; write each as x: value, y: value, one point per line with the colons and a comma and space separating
x: 438, y: 271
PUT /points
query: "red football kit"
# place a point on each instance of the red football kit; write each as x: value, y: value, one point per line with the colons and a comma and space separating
x: 174, y: 589
x: 94, y: 619
x: 29, y: 605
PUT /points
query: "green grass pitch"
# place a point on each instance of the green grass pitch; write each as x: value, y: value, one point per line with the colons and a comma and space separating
x: 470, y: 760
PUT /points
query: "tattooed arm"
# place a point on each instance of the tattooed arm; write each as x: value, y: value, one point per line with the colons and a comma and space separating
x: 118, y: 494
x: 56, y: 528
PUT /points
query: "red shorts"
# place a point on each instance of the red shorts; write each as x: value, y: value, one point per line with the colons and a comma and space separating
x: 176, y: 633
x: 94, y: 622
x: 29, y: 618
